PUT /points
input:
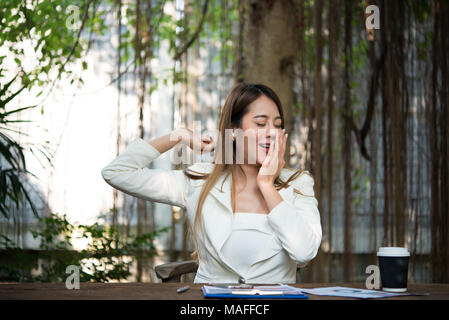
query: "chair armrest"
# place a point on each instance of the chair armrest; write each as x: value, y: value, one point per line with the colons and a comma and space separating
x: 172, y: 271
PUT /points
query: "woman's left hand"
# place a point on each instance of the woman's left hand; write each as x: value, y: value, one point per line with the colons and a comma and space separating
x: 274, y: 161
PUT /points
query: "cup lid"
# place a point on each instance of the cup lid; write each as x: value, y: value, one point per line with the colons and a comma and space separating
x: 393, y: 252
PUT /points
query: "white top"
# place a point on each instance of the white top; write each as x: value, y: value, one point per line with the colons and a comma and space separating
x: 249, y: 232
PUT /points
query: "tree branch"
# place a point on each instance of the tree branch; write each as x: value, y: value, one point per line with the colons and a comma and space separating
x: 361, y: 134
x: 195, y: 35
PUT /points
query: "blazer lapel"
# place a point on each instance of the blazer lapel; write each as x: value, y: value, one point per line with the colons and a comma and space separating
x: 222, y: 192
x: 219, y: 216
x: 219, y: 219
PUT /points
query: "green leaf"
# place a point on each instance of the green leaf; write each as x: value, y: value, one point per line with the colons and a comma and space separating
x: 3, y: 115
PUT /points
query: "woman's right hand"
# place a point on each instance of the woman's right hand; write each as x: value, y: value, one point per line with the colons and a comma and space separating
x: 201, y: 144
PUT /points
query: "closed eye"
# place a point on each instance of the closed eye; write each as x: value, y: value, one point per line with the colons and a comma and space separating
x: 263, y: 125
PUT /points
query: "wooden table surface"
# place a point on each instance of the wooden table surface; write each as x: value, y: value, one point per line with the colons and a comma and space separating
x: 167, y: 291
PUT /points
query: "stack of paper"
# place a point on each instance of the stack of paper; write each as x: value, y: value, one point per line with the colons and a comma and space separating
x: 284, y: 291
x: 277, y: 291
x: 352, y: 293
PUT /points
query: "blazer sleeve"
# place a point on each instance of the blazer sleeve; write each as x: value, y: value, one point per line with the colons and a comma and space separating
x: 128, y: 172
x: 296, y: 221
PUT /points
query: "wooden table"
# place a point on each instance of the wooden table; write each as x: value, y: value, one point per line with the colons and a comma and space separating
x: 167, y: 291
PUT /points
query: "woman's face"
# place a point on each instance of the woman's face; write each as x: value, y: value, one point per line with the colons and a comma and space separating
x: 259, y: 126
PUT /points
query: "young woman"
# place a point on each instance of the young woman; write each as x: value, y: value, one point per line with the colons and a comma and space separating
x: 252, y: 221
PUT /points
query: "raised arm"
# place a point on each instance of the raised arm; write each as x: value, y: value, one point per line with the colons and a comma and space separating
x: 129, y: 173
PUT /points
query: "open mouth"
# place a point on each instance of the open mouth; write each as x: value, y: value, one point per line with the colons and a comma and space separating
x: 265, y: 146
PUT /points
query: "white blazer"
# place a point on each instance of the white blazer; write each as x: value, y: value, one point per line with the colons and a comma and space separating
x: 293, y: 229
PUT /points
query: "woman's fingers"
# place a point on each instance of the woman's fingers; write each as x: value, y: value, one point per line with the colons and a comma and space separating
x: 276, y: 146
x: 207, y: 146
x: 280, y: 149
x: 202, y: 144
x: 270, y: 152
x: 273, y: 151
x: 284, y: 143
x: 267, y: 160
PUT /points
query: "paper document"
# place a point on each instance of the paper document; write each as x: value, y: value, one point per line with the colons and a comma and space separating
x: 277, y: 290
x: 353, y: 292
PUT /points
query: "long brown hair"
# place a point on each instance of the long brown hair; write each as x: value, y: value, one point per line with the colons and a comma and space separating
x: 235, y: 108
